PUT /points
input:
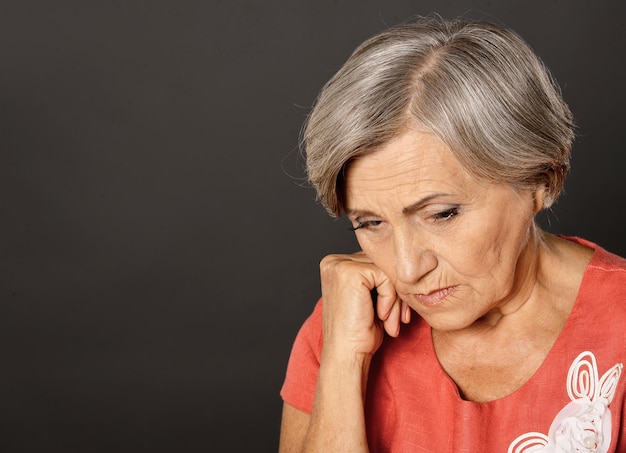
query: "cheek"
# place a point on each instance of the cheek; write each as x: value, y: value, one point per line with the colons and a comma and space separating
x: 489, y: 248
x: 494, y: 251
x: 381, y: 252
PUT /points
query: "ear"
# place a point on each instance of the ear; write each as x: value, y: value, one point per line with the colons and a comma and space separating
x: 539, y: 198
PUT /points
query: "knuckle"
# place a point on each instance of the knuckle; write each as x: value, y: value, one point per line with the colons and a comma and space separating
x: 328, y: 262
x: 339, y: 267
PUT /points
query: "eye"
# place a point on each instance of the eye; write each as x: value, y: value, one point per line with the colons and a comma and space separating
x: 447, y: 214
x: 365, y: 224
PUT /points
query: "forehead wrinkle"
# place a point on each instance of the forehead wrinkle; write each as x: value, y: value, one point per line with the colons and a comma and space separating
x: 391, y: 174
x: 405, y: 198
x: 403, y: 172
x: 407, y: 151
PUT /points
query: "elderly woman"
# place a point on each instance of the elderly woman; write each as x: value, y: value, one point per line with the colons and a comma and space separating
x: 440, y: 141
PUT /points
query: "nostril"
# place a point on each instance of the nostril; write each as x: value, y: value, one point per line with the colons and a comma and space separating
x: 411, y: 268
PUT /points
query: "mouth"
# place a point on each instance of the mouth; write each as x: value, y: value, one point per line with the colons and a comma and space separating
x: 436, y: 297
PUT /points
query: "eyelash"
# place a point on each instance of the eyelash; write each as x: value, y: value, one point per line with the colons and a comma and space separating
x: 366, y: 224
x: 448, y: 214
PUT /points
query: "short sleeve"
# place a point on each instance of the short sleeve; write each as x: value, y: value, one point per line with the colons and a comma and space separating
x: 301, y: 379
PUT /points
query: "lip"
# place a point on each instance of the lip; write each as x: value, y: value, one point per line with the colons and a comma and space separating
x: 436, y: 297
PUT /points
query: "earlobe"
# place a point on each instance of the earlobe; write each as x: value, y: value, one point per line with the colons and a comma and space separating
x: 539, y: 198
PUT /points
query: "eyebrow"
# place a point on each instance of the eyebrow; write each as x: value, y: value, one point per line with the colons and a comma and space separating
x: 421, y: 203
x: 406, y: 210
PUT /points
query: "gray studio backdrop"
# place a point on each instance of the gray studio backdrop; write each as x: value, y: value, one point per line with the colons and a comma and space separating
x: 158, y: 248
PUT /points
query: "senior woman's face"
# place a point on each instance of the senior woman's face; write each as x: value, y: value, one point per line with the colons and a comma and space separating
x: 455, y: 247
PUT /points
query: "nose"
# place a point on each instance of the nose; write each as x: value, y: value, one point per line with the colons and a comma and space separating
x: 414, y: 258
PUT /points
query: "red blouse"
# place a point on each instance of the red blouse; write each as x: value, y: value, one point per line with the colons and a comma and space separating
x: 575, y: 401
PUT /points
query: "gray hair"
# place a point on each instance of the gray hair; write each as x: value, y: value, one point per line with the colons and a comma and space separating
x: 476, y: 85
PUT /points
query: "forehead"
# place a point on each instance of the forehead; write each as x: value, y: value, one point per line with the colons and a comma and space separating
x: 416, y: 163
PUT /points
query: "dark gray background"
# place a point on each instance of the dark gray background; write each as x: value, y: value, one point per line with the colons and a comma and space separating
x: 158, y: 250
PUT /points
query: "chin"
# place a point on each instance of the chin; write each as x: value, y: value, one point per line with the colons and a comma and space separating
x: 447, y: 323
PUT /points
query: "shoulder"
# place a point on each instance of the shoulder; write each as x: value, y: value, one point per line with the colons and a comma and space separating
x: 606, y: 274
x: 298, y: 389
x: 603, y: 265
x: 600, y: 311
x: 604, y: 285
x: 310, y: 334
x: 601, y: 256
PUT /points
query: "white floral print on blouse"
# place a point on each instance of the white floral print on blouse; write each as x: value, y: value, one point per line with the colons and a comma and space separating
x: 583, y: 425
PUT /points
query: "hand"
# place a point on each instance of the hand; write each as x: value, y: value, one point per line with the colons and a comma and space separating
x: 352, y: 322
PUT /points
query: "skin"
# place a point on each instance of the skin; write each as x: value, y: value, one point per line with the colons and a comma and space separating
x: 449, y: 244
x: 463, y: 254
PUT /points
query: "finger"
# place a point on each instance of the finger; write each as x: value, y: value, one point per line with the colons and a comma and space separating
x: 359, y: 257
x: 392, y: 323
x: 385, y: 303
x: 406, y: 312
x: 386, y: 297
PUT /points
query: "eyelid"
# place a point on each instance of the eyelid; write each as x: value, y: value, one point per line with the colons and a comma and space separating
x: 365, y: 223
x: 436, y: 212
x: 446, y: 214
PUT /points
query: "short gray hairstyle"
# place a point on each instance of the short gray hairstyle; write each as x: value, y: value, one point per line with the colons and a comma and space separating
x: 476, y: 85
